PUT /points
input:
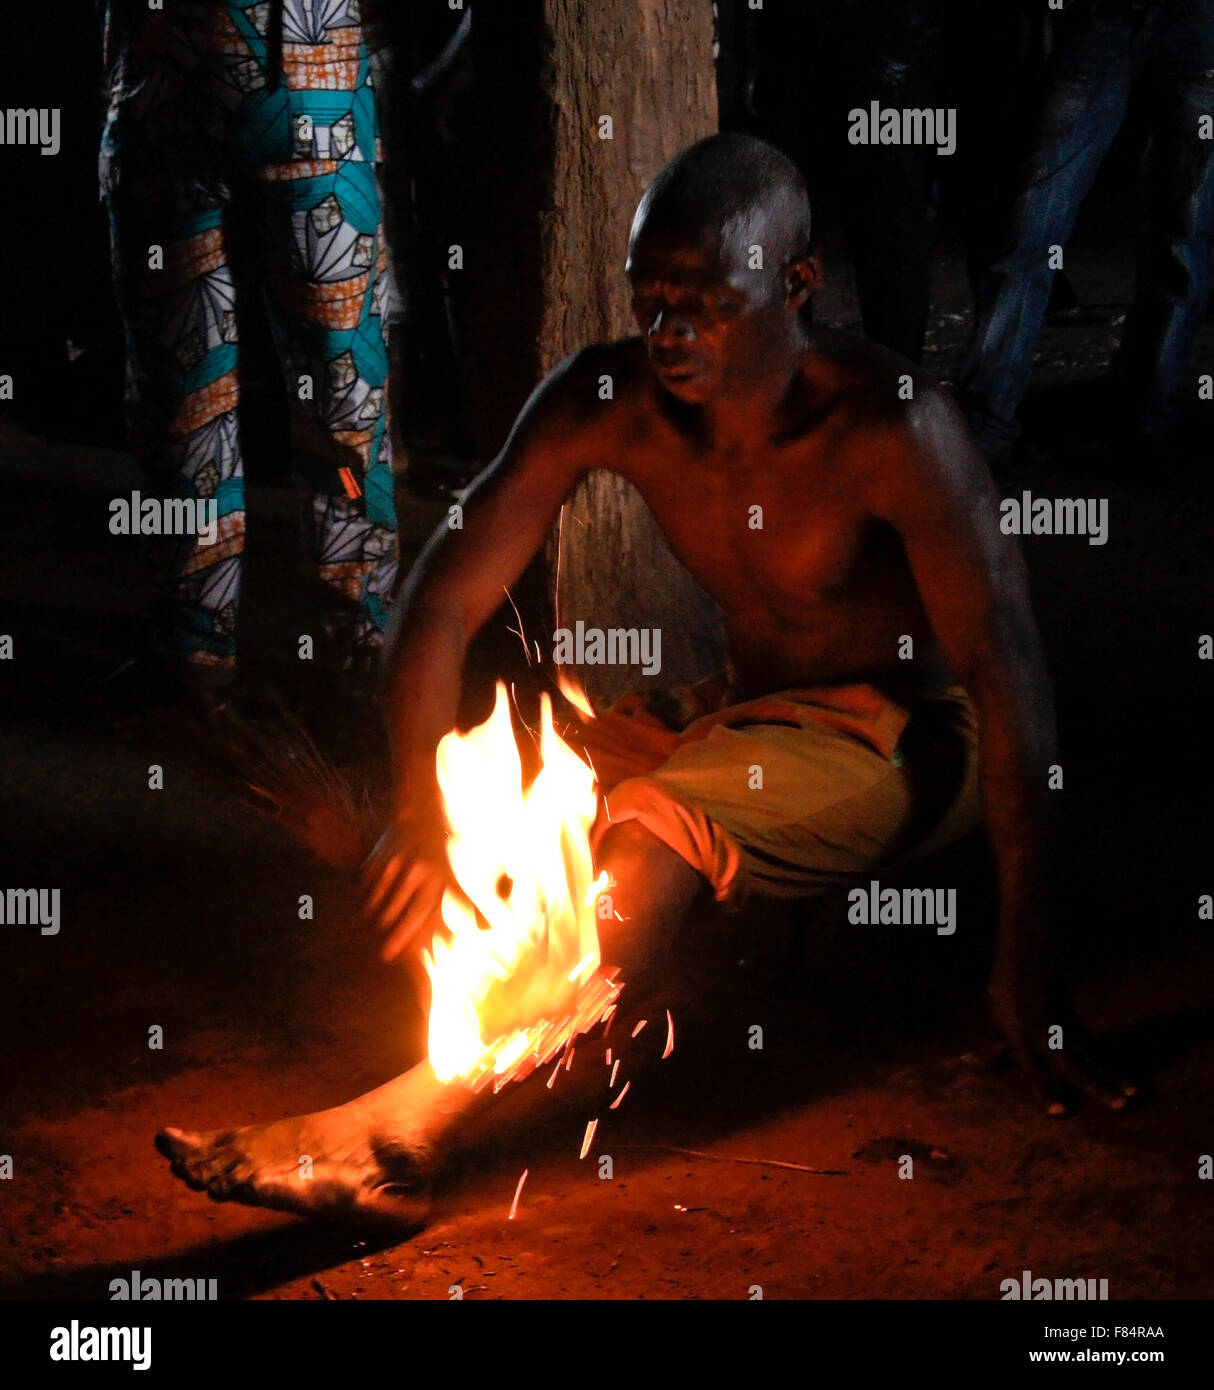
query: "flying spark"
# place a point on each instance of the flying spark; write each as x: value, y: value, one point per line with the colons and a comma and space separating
x: 589, y: 1139
x: 517, y: 1192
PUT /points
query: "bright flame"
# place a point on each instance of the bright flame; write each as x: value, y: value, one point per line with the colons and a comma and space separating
x: 574, y: 694
x: 507, y: 996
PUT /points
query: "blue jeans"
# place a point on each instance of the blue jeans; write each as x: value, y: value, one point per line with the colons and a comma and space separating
x: 1097, y: 62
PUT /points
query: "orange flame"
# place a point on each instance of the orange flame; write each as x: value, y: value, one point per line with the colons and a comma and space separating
x: 574, y: 693
x: 519, y: 977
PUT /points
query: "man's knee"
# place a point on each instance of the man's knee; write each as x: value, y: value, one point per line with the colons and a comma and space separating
x: 642, y: 865
x: 629, y: 839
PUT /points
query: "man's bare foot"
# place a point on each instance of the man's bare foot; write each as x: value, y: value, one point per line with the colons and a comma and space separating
x: 371, y: 1159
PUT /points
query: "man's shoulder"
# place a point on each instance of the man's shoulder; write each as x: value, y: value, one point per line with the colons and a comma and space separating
x: 890, y: 417
x: 625, y: 360
x: 602, y: 372
x: 605, y: 385
x: 583, y: 410
x: 898, y: 429
x: 870, y: 387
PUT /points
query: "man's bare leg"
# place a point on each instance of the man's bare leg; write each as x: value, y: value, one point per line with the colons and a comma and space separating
x: 373, y: 1157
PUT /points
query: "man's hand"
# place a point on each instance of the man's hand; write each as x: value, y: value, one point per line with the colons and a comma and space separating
x: 405, y: 877
x: 452, y: 590
x: 1047, y: 1041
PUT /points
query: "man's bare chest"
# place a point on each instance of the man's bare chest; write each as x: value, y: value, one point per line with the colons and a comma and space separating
x: 774, y: 535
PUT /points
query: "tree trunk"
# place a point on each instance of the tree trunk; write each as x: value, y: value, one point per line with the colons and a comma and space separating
x: 595, y: 96
x: 647, y: 66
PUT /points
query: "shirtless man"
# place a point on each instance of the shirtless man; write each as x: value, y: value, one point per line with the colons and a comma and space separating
x: 879, y: 523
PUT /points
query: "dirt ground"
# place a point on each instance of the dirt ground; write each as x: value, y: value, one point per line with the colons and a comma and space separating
x: 179, y: 910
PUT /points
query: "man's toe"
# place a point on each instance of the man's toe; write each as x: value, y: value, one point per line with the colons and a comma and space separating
x: 187, y: 1175
x: 175, y: 1143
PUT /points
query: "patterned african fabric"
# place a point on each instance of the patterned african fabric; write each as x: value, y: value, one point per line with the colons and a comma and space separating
x: 236, y: 130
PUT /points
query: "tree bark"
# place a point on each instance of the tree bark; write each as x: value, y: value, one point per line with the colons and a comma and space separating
x: 647, y: 66
x: 593, y: 97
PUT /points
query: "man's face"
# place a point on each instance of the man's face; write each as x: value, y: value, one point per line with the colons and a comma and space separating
x: 714, y: 325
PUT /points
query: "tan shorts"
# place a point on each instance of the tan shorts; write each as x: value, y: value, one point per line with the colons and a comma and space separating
x: 792, y: 793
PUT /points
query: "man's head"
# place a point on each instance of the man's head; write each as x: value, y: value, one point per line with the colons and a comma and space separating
x: 719, y: 265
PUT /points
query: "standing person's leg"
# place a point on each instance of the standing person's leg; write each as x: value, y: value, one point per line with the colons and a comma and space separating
x: 175, y: 289
x: 994, y: 67
x: 1091, y: 73
x: 164, y: 172
x: 888, y: 208
x: 1174, y: 259
x: 307, y: 140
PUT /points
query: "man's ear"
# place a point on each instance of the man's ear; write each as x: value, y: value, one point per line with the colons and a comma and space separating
x: 803, y: 277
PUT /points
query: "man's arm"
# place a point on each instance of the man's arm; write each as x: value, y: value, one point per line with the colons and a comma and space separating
x: 974, y: 586
x: 456, y: 584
